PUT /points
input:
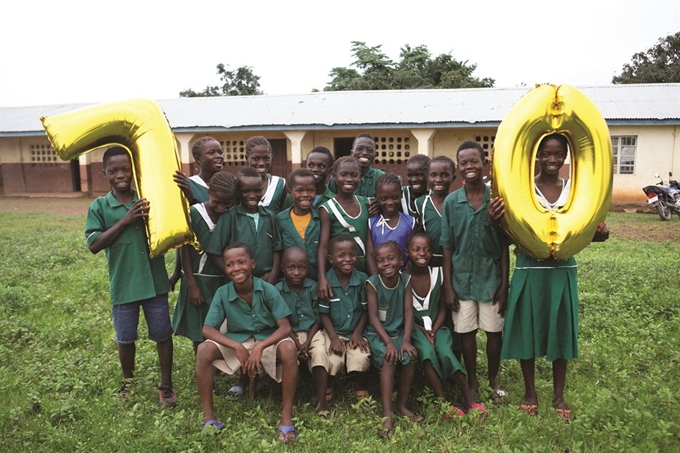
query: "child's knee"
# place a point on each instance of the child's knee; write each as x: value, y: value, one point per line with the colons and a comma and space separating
x: 286, y: 351
x: 207, y: 352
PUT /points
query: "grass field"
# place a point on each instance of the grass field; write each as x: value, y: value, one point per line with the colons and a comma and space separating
x: 59, y: 369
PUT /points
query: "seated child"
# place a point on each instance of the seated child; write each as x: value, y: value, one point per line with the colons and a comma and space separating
x: 208, y: 155
x: 259, y: 156
x: 299, y: 225
x: 257, y: 336
x: 115, y: 224
x: 390, y: 313
x: 201, y: 277
x: 299, y: 293
x: 344, y: 319
x: 416, y: 176
x: 431, y: 338
x: 250, y: 223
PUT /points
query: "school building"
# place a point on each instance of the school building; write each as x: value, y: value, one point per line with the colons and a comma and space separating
x: 643, y: 122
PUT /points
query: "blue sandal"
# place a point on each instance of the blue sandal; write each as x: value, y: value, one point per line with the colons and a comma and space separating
x: 236, y: 392
x: 218, y: 425
x: 284, y: 433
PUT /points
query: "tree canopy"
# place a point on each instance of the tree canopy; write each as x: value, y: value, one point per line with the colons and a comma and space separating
x: 658, y: 64
x: 239, y: 82
x: 416, y: 69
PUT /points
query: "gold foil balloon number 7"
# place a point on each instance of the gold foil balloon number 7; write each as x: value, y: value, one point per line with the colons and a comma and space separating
x: 141, y: 126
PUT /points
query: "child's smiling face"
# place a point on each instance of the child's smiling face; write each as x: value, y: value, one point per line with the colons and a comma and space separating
x: 302, y: 192
x: 363, y: 151
x: 250, y: 192
x: 221, y: 201
x: 260, y: 158
x: 551, y: 157
x: 238, y: 265
x: 320, y: 165
x: 388, y: 260
x: 343, y: 257
x: 420, y: 251
x: 210, y: 156
x: 347, y: 177
x: 416, y: 175
x: 389, y: 198
x: 118, y: 172
x: 470, y: 164
x: 440, y: 176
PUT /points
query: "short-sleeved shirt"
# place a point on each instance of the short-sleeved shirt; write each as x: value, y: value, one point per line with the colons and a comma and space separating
x: 382, y: 232
x: 357, y: 227
x: 243, y: 320
x: 133, y: 275
x: 430, y: 219
x: 273, y: 197
x: 477, y: 247
x: 291, y: 238
x: 390, y: 304
x: 199, y: 190
x: 348, y: 302
x: 366, y: 186
x: 236, y: 226
x: 303, y: 306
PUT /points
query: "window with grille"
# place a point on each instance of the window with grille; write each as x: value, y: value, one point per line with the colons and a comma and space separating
x: 623, y: 150
x: 43, y: 155
x: 234, y: 152
x: 392, y: 150
x: 487, y: 143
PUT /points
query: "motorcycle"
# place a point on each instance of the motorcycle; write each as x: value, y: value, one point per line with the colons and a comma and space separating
x: 665, y: 199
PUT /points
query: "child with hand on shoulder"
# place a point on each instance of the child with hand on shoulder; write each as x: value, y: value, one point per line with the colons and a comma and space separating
x: 115, y: 223
x: 201, y: 276
x: 259, y: 156
x: 299, y: 225
x: 389, y: 224
x: 476, y: 266
x: 208, y: 155
x: 390, y: 314
x: 257, y: 337
x: 416, y: 176
x: 250, y: 223
x: 343, y: 317
x: 431, y: 338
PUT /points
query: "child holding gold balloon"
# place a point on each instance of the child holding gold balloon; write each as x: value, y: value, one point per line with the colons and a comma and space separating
x: 475, y: 267
x: 542, y: 312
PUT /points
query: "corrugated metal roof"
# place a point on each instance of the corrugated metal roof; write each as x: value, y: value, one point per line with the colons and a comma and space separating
x: 643, y: 104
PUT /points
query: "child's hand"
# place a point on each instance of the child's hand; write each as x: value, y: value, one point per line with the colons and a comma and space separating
x: 195, y: 295
x: 373, y: 207
x: 602, y: 233
x: 496, y: 210
x: 183, y: 183
x: 501, y: 299
x: 391, y: 354
x: 337, y: 346
x: 174, y: 278
x: 408, y: 348
x: 324, y: 289
x: 430, y: 336
x: 302, y: 350
x: 358, y: 341
x: 269, y: 277
x: 253, y: 366
x: 242, y: 355
x: 139, y: 210
x: 451, y: 298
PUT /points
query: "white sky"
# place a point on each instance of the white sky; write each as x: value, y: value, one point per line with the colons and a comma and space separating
x: 69, y: 51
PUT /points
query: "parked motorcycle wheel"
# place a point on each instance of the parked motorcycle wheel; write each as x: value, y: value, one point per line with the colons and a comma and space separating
x: 664, y: 210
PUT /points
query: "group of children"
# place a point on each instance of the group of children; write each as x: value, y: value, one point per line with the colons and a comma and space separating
x: 343, y: 276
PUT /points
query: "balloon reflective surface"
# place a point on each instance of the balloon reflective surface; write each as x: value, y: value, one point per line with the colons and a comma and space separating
x: 141, y: 126
x: 542, y: 111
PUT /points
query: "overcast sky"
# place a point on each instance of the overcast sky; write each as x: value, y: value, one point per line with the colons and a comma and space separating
x: 70, y: 51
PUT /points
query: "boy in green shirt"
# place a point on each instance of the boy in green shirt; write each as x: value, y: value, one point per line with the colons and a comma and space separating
x: 115, y: 223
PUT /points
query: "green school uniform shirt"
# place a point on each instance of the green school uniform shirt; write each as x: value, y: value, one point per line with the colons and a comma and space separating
x: 199, y: 190
x: 430, y: 219
x: 236, y: 226
x: 348, y: 303
x: 390, y: 304
x: 133, y: 275
x: 304, y: 307
x: 358, y: 226
x: 366, y: 185
x: 245, y: 321
x: 477, y: 247
x: 272, y: 199
x: 291, y: 238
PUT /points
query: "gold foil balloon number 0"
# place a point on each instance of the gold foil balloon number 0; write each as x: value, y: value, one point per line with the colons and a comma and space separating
x: 140, y: 126
x: 542, y: 111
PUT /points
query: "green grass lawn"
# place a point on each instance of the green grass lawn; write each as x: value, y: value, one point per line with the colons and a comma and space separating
x: 59, y: 368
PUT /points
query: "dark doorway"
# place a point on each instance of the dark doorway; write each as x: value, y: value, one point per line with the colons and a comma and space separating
x: 342, y: 146
x: 280, y: 165
x: 75, y: 175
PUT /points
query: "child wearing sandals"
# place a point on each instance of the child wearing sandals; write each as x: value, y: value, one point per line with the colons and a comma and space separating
x: 390, y: 313
x: 257, y: 337
x: 344, y: 318
x: 431, y: 338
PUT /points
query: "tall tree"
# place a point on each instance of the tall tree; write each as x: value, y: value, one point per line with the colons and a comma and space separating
x: 416, y: 69
x: 239, y: 82
x: 658, y: 64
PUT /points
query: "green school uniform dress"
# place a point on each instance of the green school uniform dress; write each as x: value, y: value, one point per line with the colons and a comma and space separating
x: 430, y: 219
x: 303, y: 306
x: 542, y: 314
x: 133, y: 276
x: 244, y: 321
x: 355, y: 227
x: 348, y: 303
x: 366, y: 186
x: 236, y: 226
x: 199, y: 189
x: 391, y: 315
x: 407, y: 200
x: 425, y: 311
x: 188, y: 319
x: 477, y: 247
x: 273, y: 197
x: 291, y: 238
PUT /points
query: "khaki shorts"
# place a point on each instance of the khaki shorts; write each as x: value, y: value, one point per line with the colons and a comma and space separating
x: 230, y: 363
x: 352, y: 360
x: 473, y: 315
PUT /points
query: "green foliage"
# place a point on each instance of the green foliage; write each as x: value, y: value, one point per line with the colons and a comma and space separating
x: 416, y: 69
x: 239, y: 82
x: 658, y: 64
x: 59, y: 369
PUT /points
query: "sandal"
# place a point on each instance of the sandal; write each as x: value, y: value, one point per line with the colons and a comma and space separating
x: 215, y: 425
x: 531, y: 409
x: 453, y: 412
x: 326, y: 415
x: 385, y: 433
x: 329, y: 394
x: 235, y: 392
x: 499, y: 396
x: 479, y: 408
x: 285, y: 433
x: 361, y: 394
x: 566, y: 414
